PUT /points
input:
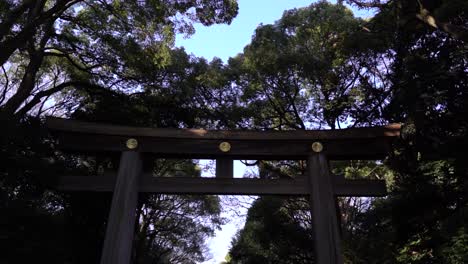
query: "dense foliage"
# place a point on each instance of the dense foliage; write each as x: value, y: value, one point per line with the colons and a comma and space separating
x: 316, y: 67
x: 411, y: 66
x: 83, y: 59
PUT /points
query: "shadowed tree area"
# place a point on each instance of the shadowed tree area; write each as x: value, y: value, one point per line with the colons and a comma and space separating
x: 403, y: 65
x: 316, y: 67
x: 275, y: 233
x: 109, y: 61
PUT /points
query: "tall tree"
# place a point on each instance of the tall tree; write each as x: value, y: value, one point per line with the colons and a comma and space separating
x: 301, y: 72
x: 50, y: 46
x: 273, y: 233
x: 409, y: 71
x: 85, y: 60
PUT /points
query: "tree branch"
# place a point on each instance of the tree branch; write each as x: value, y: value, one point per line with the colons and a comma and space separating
x: 37, y: 98
x: 371, y: 4
x: 36, y: 19
x: 455, y: 31
x: 7, y: 83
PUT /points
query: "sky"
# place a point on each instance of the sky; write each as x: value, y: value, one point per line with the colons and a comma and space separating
x: 224, y: 41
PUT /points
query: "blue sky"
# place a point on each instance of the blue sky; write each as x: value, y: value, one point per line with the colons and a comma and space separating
x: 224, y: 41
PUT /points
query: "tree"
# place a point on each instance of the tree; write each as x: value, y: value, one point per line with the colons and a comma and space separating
x: 315, y: 67
x: 273, y: 233
x: 445, y: 16
x: 302, y: 72
x: 413, y: 74
x: 99, y: 48
x: 51, y: 46
x: 428, y: 93
x: 173, y: 228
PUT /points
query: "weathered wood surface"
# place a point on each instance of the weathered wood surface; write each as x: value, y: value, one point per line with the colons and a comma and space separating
x: 118, y: 242
x: 327, y: 240
x: 224, y: 186
x: 356, y: 143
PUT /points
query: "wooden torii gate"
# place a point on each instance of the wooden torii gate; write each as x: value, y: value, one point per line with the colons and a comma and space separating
x: 315, y: 146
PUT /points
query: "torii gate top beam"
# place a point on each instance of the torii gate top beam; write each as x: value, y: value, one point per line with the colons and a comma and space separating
x: 342, y: 144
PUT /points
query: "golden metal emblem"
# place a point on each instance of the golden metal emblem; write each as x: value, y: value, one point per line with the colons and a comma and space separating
x: 132, y: 143
x: 317, y: 147
x: 225, y: 146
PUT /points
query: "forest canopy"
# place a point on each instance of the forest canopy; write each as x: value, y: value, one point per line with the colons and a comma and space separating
x: 317, y: 67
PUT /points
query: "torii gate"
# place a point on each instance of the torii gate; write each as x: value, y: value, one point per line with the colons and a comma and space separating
x: 315, y: 146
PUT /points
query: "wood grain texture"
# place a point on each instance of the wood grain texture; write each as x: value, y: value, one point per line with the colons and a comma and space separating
x: 327, y: 240
x: 118, y: 242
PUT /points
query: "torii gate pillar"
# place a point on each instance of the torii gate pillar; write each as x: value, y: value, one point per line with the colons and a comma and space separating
x: 327, y: 240
x: 120, y: 229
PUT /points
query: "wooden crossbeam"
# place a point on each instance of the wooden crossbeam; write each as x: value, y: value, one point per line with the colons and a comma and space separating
x: 355, y: 143
x: 223, y: 186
